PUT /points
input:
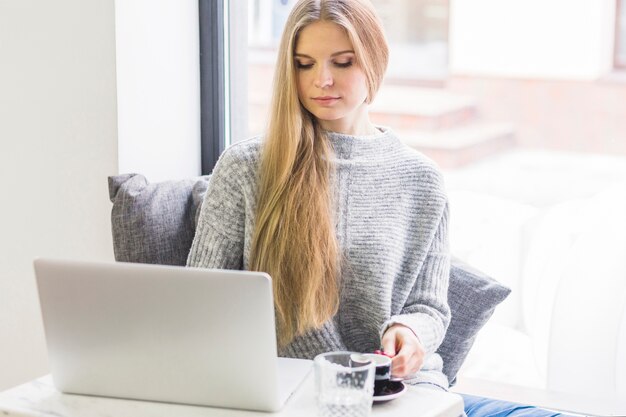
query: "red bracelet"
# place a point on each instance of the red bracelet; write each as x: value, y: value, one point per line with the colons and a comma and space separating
x: 382, y: 352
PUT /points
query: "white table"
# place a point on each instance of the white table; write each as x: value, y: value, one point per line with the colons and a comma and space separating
x: 39, y: 398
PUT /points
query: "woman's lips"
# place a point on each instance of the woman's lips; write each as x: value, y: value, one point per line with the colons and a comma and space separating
x: 326, y: 100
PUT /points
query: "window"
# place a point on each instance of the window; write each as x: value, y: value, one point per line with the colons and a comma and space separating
x: 531, y: 147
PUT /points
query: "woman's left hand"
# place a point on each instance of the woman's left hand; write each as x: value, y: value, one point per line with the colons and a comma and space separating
x: 406, y: 351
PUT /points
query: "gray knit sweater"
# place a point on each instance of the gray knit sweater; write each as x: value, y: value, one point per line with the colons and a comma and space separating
x: 392, y: 219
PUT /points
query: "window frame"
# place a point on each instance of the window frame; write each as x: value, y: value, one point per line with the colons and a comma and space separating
x: 617, y: 63
x: 213, y: 91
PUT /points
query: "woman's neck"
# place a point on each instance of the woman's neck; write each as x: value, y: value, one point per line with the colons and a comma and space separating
x: 358, y: 124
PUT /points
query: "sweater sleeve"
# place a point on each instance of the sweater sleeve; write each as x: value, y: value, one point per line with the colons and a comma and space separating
x: 219, y: 239
x: 426, y: 311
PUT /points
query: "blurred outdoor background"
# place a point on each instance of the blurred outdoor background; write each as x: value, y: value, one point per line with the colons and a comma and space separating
x: 523, y: 106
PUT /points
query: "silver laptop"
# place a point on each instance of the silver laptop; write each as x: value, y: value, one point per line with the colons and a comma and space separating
x: 164, y: 333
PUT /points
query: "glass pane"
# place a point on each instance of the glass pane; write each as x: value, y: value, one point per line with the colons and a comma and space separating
x: 535, y: 166
x: 417, y: 31
x: 266, y: 19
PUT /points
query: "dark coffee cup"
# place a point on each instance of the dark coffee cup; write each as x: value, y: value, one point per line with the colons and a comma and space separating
x: 383, y: 369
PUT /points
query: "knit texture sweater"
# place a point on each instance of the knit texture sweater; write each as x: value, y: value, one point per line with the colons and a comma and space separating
x: 391, y: 226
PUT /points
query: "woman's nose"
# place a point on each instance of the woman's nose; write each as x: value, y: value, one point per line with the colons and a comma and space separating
x: 324, y: 77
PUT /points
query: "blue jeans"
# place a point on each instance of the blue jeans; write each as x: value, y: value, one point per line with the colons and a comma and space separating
x: 488, y: 407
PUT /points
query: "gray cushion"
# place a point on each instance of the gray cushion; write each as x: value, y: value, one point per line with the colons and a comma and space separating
x: 155, y: 223
x: 473, y: 297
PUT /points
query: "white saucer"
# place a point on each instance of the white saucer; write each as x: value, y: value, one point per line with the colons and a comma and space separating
x: 399, y: 389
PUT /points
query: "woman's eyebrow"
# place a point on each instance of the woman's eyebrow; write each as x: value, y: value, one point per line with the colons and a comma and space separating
x: 332, y: 55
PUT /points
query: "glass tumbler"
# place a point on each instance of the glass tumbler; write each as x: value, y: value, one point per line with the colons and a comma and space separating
x: 344, y: 386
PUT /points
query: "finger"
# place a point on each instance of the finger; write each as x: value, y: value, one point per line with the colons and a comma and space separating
x: 397, y: 369
x: 414, y: 361
x: 401, y: 363
x: 389, y: 343
x: 408, y: 360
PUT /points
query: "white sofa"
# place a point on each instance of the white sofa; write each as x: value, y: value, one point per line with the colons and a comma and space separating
x: 559, y: 340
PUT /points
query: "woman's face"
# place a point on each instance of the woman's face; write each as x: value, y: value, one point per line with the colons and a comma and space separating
x: 330, y: 83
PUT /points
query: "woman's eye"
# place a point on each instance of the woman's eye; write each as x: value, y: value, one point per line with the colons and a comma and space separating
x: 300, y: 65
x: 343, y: 64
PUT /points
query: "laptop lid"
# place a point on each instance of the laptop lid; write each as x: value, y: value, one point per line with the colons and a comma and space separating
x: 162, y: 333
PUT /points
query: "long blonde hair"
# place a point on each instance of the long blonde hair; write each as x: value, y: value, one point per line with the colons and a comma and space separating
x: 294, y: 237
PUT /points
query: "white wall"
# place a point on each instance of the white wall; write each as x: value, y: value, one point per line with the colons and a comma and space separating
x: 59, y: 129
x: 158, y: 88
x: 58, y: 143
x: 568, y: 39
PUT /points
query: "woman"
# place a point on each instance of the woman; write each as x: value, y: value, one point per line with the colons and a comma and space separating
x: 350, y: 223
